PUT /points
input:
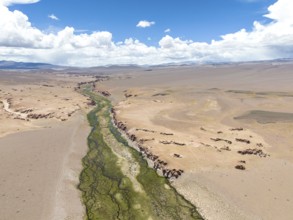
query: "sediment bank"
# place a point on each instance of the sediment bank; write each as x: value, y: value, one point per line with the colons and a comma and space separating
x: 116, y: 182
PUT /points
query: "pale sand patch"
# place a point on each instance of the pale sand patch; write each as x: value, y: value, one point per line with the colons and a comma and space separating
x: 39, y: 172
x: 259, y: 193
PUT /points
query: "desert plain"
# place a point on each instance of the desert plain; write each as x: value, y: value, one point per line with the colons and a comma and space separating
x: 43, y: 134
x: 229, y: 127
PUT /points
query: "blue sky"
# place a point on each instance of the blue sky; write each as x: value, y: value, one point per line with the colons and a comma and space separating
x: 105, y: 32
x: 198, y: 20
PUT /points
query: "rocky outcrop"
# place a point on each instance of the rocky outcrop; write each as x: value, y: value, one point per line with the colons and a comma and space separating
x: 143, y: 140
x: 240, y: 167
x: 91, y: 83
x: 158, y: 164
x: 236, y: 129
x: 243, y: 140
x: 172, y: 173
x: 105, y: 93
x: 172, y: 142
x: 220, y: 139
x: 167, y: 134
x: 91, y: 103
x: 145, y: 130
x: 226, y: 148
x: 39, y: 116
x: 121, y: 126
x: 254, y: 151
x: 26, y: 111
x: 177, y: 155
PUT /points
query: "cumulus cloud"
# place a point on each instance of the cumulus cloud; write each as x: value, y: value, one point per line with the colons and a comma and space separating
x: 281, y: 11
x: 53, y: 17
x: 145, y: 24
x: 21, y: 41
x: 12, y: 2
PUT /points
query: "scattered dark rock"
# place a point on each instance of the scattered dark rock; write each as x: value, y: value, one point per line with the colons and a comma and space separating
x: 105, y: 93
x: 236, y: 129
x: 255, y: 151
x: 240, y: 167
x: 177, y: 155
x: 145, y: 140
x: 226, y: 148
x: 167, y: 134
x: 243, y: 140
x: 220, y: 139
x: 259, y: 144
x: 145, y: 130
x: 160, y: 94
x: 172, y: 142
x: 127, y: 95
x: 39, y: 116
x: 91, y: 103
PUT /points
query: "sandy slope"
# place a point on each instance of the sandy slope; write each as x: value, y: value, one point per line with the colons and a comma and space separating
x: 204, y: 109
x: 43, y: 132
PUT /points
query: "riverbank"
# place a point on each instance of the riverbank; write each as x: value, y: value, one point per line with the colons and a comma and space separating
x: 224, y: 133
x: 116, y: 181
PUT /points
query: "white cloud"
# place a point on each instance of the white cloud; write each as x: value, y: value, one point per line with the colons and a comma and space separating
x: 281, y: 11
x: 144, y: 24
x: 53, y: 17
x: 20, y: 41
x: 12, y: 2
x: 167, y: 30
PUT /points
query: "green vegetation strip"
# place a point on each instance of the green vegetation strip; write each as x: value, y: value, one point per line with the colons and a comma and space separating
x: 108, y: 190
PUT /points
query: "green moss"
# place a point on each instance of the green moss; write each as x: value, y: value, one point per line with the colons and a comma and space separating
x: 108, y: 193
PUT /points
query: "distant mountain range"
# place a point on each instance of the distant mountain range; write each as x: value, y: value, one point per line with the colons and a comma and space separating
x: 6, y: 65
x: 26, y: 66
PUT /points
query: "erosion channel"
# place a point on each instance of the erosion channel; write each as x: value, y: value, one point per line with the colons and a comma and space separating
x: 116, y: 182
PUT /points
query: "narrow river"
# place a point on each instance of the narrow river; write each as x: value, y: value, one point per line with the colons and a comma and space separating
x: 116, y: 182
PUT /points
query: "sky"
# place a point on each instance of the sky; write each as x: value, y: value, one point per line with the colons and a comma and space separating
x: 105, y: 32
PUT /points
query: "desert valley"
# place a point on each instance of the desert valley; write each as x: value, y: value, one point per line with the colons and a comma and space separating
x: 220, y: 134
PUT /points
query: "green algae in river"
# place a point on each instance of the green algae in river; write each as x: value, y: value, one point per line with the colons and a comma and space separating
x: 108, y: 190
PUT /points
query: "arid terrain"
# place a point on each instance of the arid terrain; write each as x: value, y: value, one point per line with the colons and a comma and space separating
x: 222, y: 134
x: 43, y: 134
x: 228, y: 128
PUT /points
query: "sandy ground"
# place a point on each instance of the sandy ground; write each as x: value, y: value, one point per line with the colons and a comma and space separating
x: 205, y: 121
x: 29, y: 100
x: 43, y: 134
